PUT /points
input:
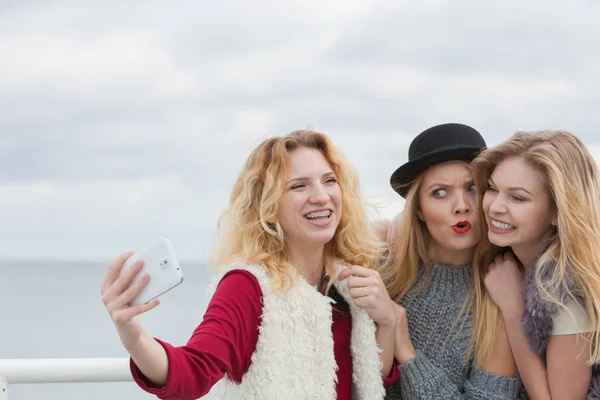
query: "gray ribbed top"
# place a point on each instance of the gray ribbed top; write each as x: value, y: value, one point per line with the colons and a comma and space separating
x: 439, y: 370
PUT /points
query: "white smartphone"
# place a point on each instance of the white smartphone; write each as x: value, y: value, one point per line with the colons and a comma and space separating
x: 165, y: 273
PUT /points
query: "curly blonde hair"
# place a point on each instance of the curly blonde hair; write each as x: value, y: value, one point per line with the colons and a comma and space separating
x: 248, y: 230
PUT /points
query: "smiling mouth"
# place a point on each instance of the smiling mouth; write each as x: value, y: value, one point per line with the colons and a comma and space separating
x: 461, y: 227
x: 318, y: 215
x: 501, y: 227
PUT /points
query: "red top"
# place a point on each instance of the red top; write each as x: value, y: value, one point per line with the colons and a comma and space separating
x: 226, y: 338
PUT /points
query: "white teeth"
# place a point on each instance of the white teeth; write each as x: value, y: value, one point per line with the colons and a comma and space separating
x: 319, y: 214
x: 501, y: 225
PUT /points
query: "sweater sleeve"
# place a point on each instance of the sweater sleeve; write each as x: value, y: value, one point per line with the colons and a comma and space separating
x: 222, y: 344
x: 421, y: 379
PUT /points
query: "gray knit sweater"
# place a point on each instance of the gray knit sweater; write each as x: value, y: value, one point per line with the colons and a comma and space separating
x: 439, y: 370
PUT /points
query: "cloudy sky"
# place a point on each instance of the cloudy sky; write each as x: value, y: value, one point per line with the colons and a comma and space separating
x: 124, y: 121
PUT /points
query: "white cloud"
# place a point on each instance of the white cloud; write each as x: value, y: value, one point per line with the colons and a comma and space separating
x: 122, y: 121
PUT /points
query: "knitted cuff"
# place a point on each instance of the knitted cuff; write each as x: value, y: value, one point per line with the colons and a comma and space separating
x: 419, y: 376
x: 488, y: 382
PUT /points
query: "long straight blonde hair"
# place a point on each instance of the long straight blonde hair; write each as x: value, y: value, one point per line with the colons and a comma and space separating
x: 572, y: 179
x: 400, y: 269
x: 248, y: 229
x: 410, y: 247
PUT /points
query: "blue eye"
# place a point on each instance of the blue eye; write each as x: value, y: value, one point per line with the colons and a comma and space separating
x: 439, y: 193
x: 471, y: 188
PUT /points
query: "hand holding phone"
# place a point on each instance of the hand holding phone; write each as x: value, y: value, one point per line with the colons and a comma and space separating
x: 162, y: 266
x: 132, y: 287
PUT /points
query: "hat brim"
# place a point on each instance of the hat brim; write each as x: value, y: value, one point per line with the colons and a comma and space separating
x: 406, y: 173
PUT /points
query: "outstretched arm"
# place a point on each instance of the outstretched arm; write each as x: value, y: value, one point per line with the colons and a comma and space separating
x: 222, y: 343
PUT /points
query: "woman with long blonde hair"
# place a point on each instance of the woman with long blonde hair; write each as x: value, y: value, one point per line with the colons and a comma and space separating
x: 428, y: 272
x: 538, y: 262
x: 287, y: 318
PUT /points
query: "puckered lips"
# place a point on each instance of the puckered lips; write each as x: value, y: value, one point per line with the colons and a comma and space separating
x: 462, y: 226
x: 501, y: 227
x: 319, y: 217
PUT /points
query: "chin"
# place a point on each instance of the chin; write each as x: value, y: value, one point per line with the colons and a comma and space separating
x: 461, y: 245
x: 323, y: 238
x: 498, y: 240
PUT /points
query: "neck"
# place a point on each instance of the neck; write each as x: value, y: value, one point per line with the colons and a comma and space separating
x: 527, y: 252
x: 453, y: 258
x: 310, y: 262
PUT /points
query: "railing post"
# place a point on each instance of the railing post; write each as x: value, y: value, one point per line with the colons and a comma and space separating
x: 3, y: 389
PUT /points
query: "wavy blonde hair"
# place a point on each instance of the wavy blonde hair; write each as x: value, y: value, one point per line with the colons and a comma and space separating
x: 248, y: 230
x: 572, y: 179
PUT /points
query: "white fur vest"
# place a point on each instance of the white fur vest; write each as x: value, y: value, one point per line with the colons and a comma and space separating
x: 294, y: 356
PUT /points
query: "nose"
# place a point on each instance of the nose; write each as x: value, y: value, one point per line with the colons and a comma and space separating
x: 497, y: 205
x: 319, y: 195
x: 463, y: 204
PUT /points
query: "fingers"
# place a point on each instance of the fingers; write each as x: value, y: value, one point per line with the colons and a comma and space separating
x: 365, y: 302
x: 357, y: 281
x: 509, y: 257
x: 361, y: 292
x: 124, y: 315
x: 355, y: 270
x: 122, y: 283
x: 125, y: 298
x: 498, y: 259
x: 114, y: 269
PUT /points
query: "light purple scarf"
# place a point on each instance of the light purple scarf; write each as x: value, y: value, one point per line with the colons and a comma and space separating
x: 539, y: 314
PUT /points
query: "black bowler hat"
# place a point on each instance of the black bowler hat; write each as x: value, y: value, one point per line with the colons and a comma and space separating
x: 435, y: 145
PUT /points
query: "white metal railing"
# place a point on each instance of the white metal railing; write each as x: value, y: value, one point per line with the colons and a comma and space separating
x: 65, y: 370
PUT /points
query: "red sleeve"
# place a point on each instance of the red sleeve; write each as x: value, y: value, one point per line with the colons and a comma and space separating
x: 222, y: 343
x: 394, y: 374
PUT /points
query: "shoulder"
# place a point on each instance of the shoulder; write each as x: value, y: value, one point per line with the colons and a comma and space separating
x: 236, y: 280
x: 237, y: 293
x: 241, y: 269
x: 571, y: 319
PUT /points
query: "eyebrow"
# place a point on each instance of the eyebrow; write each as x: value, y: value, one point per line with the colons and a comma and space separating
x: 304, y: 178
x: 514, y: 188
x: 441, y: 184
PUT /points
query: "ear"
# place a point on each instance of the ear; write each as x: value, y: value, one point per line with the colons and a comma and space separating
x: 554, y: 220
x: 420, y: 215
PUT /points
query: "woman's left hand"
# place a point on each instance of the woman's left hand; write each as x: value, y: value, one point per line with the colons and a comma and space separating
x: 504, y: 283
x: 369, y: 292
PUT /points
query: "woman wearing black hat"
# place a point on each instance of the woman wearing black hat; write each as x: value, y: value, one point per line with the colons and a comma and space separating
x: 428, y: 272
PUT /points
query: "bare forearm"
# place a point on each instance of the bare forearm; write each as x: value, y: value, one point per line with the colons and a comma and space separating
x: 151, y: 359
x: 386, y: 335
x: 530, y: 365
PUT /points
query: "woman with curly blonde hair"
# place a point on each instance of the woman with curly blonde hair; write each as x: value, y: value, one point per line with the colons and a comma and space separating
x: 288, y: 317
x: 538, y: 263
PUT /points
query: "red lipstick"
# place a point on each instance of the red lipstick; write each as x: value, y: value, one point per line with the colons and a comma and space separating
x: 461, y: 226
